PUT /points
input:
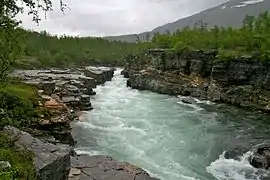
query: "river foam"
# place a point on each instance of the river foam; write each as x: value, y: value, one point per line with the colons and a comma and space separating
x: 231, y: 169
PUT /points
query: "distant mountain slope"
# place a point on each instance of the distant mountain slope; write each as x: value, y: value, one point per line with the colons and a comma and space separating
x: 231, y: 13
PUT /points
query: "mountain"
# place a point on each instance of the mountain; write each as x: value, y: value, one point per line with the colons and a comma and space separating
x: 231, y: 13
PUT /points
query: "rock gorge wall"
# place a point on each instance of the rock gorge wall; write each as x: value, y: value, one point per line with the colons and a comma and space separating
x: 242, y: 81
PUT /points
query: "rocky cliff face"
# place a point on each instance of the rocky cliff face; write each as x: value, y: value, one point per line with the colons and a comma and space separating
x: 64, y: 93
x: 242, y: 81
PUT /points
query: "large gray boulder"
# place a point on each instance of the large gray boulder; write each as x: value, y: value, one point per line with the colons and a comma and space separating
x: 51, y: 162
x: 86, y: 167
x: 261, y: 157
x: 101, y: 74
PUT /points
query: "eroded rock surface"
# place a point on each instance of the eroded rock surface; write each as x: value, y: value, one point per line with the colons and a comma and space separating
x: 65, y: 85
x: 261, y: 157
x: 86, y: 167
x: 101, y: 74
x: 64, y: 93
x: 241, y: 81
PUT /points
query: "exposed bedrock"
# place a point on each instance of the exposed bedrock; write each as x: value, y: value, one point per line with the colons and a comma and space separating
x: 243, y: 81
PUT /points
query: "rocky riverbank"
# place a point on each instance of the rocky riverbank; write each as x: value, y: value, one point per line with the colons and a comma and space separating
x: 242, y: 81
x: 64, y: 94
x: 58, y: 161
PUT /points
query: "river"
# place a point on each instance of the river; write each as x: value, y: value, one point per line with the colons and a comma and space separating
x: 169, y: 139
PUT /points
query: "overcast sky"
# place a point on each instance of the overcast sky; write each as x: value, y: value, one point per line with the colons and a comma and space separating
x: 115, y: 17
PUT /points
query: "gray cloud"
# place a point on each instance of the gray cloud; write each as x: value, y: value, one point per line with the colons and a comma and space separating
x: 115, y: 17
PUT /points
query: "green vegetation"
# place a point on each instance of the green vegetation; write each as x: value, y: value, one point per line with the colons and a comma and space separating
x: 10, y: 37
x: 252, y: 37
x: 17, y: 101
x: 22, y: 167
x: 45, y: 50
x: 18, y: 105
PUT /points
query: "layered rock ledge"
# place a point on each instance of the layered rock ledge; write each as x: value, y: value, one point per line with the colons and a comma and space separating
x: 243, y: 81
x: 64, y: 93
x: 86, y: 167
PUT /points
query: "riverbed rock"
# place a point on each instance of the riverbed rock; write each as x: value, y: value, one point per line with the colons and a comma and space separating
x: 188, y: 100
x: 242, y: 80
x: 51, y: 162
x: 235, y: 153
x: 261, y: 157
x: 86, y: 167
x: 101, y: 74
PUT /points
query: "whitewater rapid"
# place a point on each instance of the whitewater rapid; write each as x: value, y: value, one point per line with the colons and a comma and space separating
x: 169, y: 139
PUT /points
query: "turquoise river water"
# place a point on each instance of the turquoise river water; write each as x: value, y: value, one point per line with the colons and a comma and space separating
x: 169, y: 139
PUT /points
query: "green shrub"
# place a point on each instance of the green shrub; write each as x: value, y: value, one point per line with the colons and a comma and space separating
x: 180, y: 47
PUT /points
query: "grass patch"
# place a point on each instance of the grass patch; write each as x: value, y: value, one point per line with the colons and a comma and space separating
x: 18, y: 104
x: 21, y: 90
x: 22, y: 167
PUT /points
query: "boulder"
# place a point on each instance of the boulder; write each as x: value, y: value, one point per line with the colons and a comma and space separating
x: 51, y: 162
x: 235, y: 153
x: 260, y: 157
x: 189, y: 100
x: 101, y: 74
x: 86, y: 167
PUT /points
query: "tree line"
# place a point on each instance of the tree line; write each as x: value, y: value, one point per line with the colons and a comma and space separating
x: 252, y: 37
x: 65, y: 51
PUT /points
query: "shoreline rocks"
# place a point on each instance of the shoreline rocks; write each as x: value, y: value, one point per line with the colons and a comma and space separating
x: 101, y: 74
x: 64, y: 92
x: 241, y: 81
x: 104, y: 168
x: 261, y: 157
x: 51, y: 162
x: 54, y: 162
